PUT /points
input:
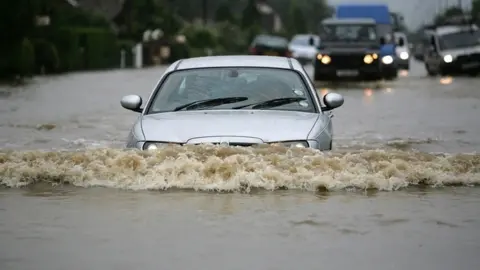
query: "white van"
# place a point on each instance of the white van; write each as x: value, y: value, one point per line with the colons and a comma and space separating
x: 402, y: 51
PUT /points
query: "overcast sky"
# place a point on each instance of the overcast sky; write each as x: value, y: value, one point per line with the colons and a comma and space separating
x: 415, y: 12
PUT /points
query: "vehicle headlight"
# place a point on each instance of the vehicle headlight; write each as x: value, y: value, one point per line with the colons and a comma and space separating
x: 294, y: 144
x: 325, y: 59
x: 448, y: 58
x: 368, y: 59
x: 154, y: 145
x: 387, y: 60
x: 404, y: 55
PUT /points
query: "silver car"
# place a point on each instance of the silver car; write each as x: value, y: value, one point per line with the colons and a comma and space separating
x: 304, y: 47
x: 233, y: 100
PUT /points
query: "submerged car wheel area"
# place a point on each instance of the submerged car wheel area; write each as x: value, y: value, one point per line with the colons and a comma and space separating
x: 257, y: 100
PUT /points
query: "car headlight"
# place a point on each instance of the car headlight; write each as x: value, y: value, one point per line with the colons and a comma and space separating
x: 368, y: 59
x: 294, y: 144
x: 155, y: 145
x: 387, y: 60
x: 325, y: 59
x: 404, y: 55
x: 448, y: 58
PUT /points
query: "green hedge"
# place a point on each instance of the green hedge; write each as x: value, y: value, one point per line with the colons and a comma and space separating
x: 127, y: 46
x: 46, y: 57
x: 18, y: 60
x: 223, y: 38
x: 86, y: 48
x: 25, y: 63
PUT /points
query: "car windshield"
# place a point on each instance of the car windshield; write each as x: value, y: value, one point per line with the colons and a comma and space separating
x: 348, y: 32
x: 400, y: 35
x: 303, y: 40
x: 272, y: 41
x: 458, y: 40
x: 238, y: 87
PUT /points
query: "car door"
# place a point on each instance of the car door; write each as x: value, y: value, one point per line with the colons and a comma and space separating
x: 434, y: 53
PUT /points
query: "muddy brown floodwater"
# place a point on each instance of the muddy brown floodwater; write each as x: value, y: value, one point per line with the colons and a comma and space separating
x: 398, y: 192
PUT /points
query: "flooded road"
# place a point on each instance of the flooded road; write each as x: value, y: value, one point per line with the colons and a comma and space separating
x: 101, y: 208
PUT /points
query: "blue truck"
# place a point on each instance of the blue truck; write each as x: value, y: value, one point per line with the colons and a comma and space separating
x: 385, y: 29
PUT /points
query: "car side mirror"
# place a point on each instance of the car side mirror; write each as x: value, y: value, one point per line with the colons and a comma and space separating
x: 382, y: 41
x: 132, y: 103
x: 332, y: 101
x: 311, y: 41
x: 401, y: 42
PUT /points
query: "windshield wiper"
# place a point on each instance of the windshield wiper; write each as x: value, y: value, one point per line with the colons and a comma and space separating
x: 209, y: 103
x: 271, y: 103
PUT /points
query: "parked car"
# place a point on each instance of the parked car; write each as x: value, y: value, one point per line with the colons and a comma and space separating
x: 270, y: 45
x: 234, y: 100
x: 304, y: 48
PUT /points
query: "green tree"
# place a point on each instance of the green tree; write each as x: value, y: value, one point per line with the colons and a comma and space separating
x: 452, y: 11
x: 17, y: 23
x: 224, y: 13
x: 250, y: 15
x: 296, y: 20
x: 476, y: 9
x: 140, y: 15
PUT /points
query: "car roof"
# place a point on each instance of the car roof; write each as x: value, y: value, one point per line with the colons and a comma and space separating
x: 235, y: 61
x: 349, y: 21
x: 305, y: 36
x: 445, y: 30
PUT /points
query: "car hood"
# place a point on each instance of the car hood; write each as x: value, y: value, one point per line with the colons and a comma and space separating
x: 244, y: 125
x: 462, y: 51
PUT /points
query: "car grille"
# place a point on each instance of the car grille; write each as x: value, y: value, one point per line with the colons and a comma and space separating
x: 233, y: 144
x: 238, y: 144
x: 468, y: 58
x: 347, y: 61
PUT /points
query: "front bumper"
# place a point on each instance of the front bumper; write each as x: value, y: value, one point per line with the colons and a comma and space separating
x: 403, y: 63
x: 374, y: 70
x: 143, y: 145
x: 304, y: 58
x: 462, y: 64
x: 348, y: 66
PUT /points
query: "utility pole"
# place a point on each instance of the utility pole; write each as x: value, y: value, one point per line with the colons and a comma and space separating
x: 460, y: 4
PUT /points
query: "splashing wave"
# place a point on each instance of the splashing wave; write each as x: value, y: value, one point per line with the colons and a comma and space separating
x: 217, y: 168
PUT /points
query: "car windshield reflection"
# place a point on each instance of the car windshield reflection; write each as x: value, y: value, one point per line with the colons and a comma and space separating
x: 254, y: 85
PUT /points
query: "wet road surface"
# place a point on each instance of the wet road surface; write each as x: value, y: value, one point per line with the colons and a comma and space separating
x: 388, y: 136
